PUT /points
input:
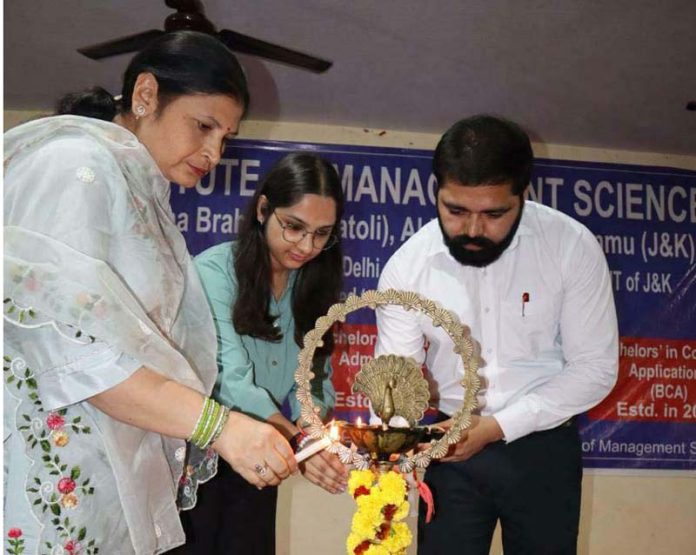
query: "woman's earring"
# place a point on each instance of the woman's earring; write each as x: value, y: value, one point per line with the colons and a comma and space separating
x: 139, y: 111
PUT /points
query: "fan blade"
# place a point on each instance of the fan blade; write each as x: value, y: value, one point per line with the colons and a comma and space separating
x: 123, y: 45
x: 249, y: 45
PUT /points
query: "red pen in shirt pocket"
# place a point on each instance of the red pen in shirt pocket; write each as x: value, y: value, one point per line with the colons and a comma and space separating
x: 525, y: 300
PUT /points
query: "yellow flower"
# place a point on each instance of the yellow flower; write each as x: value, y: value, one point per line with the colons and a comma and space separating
x: 60, y: 438
x: 404, y: 534
x: 353, y: 541
x: 364, y: 525
x: 377, y: 549
x: 392, y: 487
x: 402, y: 511
x: 371, y: 504
x: 392, y: 478
x: 69, y: 501
x: 400, y: 538
x: 359, y: 478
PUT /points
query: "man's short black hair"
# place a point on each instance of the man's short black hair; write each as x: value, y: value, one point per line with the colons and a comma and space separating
x: 484, y: 150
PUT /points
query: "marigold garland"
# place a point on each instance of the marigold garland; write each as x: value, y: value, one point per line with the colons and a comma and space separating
x: 381, y: 504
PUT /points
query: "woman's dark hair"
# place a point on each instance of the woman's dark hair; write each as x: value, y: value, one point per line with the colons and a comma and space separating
x: 183, y: 62
x: 318, y: 282
x: 484, y: 150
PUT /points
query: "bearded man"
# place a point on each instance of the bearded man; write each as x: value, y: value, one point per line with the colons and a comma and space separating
x: 534, y: 287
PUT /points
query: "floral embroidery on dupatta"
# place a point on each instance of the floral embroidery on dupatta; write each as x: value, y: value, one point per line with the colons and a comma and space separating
x: 15, y: 542
x: 32, y: 280
x: 201, y: 466
x: 55, y: 488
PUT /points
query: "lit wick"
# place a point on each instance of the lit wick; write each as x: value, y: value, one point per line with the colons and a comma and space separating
x: 319, y: 445
x: 358, y: 422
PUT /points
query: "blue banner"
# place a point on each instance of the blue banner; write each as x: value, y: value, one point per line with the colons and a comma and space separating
x: 644, y: 218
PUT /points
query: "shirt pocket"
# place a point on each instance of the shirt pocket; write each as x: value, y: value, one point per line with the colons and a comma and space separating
x: 527, y: 329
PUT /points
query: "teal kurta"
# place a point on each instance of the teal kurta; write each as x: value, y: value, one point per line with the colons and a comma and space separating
x: 255, y: 376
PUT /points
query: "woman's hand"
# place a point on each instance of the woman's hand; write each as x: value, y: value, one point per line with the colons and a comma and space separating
x: 256, y: 451
x: 326, y: 471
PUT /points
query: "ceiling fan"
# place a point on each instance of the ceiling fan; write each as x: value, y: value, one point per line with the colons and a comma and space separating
x: 190, y: 16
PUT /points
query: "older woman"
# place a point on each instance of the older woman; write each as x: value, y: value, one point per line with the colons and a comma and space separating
x: 109, y: 343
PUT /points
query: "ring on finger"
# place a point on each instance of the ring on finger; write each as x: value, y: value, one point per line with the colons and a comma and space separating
x: 261, y: 470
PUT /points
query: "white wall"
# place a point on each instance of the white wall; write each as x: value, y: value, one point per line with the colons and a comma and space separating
x: 621, y: 514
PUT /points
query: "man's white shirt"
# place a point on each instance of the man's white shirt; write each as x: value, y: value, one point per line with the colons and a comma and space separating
x: 543, y: 314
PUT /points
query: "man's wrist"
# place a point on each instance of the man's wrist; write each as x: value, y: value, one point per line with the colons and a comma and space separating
x: 494, y: 430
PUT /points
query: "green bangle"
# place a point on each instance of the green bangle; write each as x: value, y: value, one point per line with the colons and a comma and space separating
x: 220, y: 425
x: 198, y: 435
x: 196, y: 429
x: 210, y: 423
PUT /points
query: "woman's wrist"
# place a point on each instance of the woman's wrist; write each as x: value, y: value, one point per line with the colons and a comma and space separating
x: 223, y: 438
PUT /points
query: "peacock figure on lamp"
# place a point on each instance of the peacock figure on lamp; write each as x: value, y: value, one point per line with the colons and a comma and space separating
x: 395, y: 387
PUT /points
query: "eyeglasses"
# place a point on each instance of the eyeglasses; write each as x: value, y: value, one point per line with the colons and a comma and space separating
x: 322, y: 239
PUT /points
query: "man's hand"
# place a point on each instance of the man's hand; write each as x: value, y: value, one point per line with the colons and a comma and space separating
x: 483, y: 430
x: 326, y: 471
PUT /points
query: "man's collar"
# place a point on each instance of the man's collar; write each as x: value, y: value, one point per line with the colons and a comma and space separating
x: 524, y: 228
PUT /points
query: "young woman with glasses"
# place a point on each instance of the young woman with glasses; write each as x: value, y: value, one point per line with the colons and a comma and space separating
x: 266, y: 289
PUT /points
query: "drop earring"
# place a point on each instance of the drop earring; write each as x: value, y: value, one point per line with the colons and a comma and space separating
x: 139, y: 111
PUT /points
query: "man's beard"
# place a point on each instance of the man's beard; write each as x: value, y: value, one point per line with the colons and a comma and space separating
x: 488, y: 252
